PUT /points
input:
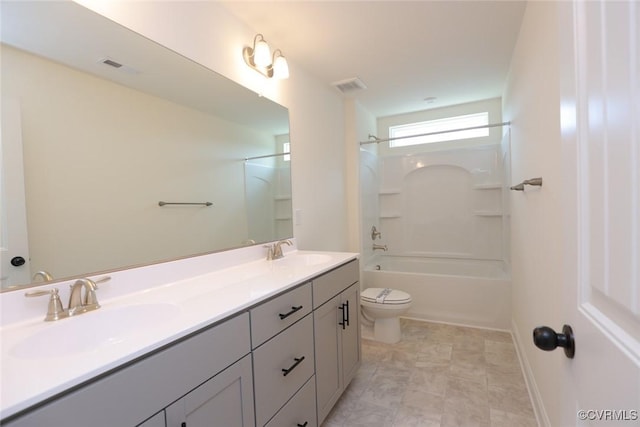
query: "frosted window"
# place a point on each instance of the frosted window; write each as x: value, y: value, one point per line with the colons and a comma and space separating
x: 439, y: 125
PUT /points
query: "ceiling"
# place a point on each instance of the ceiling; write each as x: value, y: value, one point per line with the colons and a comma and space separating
x: 403, y: 51
x: 89, y: 38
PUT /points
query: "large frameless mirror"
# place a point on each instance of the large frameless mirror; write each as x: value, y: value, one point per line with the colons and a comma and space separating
x: 100, y: 125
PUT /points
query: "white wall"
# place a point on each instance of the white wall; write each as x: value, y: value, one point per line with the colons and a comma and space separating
x: 207, y: 33
x: 532, y: 104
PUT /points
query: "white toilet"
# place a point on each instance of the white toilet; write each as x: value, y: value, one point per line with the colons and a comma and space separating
x: 383, y: 306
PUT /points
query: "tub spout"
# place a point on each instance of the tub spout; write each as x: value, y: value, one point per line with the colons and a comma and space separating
x: 383, y: 247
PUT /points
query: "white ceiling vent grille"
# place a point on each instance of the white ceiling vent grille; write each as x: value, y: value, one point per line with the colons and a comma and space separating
x: 349, y: 85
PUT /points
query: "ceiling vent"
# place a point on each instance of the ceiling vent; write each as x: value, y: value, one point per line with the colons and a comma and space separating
x: 111, y: 62
x: 349, y: 85
x: 118, y: 66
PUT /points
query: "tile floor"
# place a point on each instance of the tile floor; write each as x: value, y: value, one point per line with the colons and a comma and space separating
x: 438, y: 375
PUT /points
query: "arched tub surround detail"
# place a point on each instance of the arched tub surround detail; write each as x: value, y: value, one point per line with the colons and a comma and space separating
x: 445, y: 204
x: 441, y: 216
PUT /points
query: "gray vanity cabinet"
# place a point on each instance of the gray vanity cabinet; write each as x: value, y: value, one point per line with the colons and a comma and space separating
x: 158, y: 420
x: 130, y: 395
x: 284, y: 362
x: 283, y: 357
x: 225, y: 400
x: 351, y: 346
x: 336, y: 334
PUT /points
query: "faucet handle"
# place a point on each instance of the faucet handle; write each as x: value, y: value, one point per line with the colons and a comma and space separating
x: 55, y: 309
x: 103, y: 279
x: 269, y: 252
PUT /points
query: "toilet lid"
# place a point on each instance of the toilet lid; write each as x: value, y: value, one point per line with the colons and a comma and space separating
x: 385, y: 296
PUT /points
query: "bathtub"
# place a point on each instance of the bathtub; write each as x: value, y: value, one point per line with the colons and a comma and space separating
x: 465, y: 292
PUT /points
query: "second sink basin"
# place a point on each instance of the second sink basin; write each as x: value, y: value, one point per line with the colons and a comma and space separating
x: 302, y: 260
x: 92, y: 331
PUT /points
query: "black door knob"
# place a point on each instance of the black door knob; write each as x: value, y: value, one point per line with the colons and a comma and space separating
x: 547, y: 339
x: 17, y: 261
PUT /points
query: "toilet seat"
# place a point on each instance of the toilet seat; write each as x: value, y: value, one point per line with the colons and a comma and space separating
x: 385, y: 296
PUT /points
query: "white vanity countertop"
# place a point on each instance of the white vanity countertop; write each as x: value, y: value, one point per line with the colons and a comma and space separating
x: 42, y: 359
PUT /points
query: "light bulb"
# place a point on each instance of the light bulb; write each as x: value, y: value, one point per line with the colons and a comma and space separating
x: 262, y: 54
x: 280, y: 68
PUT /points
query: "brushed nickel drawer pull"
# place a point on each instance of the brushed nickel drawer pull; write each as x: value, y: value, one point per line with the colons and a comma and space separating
x: 298, y: 360
x: 293, y: 310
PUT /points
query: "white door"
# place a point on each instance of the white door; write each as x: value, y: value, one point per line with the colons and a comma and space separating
x: 601, y: 138
x: 14, y: 245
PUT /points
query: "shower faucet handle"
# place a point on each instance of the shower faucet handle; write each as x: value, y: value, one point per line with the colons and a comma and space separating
x: 375, y: 233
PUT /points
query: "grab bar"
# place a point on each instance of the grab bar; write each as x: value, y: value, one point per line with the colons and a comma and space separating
x: 533, y: 181
x: 181, y: 203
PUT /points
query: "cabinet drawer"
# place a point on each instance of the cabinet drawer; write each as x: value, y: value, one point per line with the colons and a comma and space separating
x: 329, y: 285
x: 299, y: 410
x: 273, y: 316
x: 283, y: 352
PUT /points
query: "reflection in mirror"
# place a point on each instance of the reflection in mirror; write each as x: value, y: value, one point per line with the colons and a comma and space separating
x: 98, y: 147
x: 268, y: 193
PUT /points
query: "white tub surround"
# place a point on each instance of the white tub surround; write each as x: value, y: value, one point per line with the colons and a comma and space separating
x: 444, y: 221
x: 142, y: 310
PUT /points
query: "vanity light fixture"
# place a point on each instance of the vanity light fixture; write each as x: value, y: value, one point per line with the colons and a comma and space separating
x: 259, y: 58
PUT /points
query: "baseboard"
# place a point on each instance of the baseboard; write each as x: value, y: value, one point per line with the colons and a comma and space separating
x: 534, y: 394
x: 464, y: 325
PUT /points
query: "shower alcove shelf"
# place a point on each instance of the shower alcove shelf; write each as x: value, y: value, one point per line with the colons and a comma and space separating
x: 283, y: 207
x: 389, y: 200
x: 448, y: 203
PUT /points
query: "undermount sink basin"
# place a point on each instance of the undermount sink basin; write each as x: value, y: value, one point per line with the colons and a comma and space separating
x: 92, y: 331
x: 302, y: 260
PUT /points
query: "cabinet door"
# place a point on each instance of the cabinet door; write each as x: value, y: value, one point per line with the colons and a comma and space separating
x: 156, y: 421
x: 226, y: 400
x: 351, y: 334
x: 328, y: 343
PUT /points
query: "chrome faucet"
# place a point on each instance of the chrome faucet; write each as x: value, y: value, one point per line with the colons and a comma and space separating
x: 78, y: 303
x: 44, y: 275
x: 275, y: 251
x: 277, y: 248
x: 383, y: 247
